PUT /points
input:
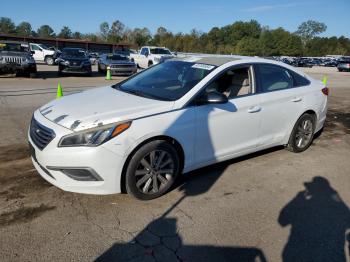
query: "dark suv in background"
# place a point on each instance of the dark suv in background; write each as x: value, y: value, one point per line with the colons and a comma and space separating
x: 344, y: 64
x: 74, y: 60
x: 16, y: 58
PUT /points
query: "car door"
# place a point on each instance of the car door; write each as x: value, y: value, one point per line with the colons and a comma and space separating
x: 281, y: 103
x: 225, y: 130
x: 38, y: 52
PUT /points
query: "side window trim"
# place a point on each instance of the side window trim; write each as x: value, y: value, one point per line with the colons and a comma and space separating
x: 252, y: 74
x: 259, y: 80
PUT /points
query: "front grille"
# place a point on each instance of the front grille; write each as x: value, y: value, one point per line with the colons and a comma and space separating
x: 40, y: 134
x: 75, y: 63
x: 13, y: 59
x: 122, y: 66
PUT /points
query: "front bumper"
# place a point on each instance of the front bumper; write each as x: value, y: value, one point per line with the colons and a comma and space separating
x: 107, y: 164
x: 83, y: 69
x: 13, y: 67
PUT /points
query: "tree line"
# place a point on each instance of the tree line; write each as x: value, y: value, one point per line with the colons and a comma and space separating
x: 243, y: 38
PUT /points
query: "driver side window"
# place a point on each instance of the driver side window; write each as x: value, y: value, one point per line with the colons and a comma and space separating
x: 35, y: 48
x: 233, y: 83
x: 143, y: 51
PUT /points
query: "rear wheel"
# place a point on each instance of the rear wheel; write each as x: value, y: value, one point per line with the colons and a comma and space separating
x: 152, y: 170
x: 302, y: 134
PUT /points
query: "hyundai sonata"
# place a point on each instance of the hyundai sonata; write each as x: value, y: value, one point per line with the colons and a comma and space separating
x: 140, y: 134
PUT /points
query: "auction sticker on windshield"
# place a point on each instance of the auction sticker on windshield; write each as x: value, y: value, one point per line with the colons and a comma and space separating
x: 203, y: 66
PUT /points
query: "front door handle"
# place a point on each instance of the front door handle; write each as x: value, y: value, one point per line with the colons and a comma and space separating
x: 296, y: 99
x: 254, y: 109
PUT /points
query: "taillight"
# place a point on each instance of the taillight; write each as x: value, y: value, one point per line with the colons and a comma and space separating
x: 325, y: 91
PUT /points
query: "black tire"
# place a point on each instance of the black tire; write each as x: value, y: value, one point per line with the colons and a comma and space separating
x: 99, y: 69
x: 150, y: 63
x: 295, y: 135
x: 157, y: 146
x: 49, y: 60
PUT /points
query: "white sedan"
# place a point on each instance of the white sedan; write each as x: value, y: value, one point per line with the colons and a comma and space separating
x: 140, y: 134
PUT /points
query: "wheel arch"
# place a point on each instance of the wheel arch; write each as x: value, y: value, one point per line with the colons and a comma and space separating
x: 171, y: 140
x: 290, y: 130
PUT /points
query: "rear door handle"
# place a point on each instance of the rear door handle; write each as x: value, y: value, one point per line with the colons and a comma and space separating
x: 296, y: 99
x: 254, y: 109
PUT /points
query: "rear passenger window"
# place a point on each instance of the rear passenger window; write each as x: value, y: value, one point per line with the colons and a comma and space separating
x: 274, y: 78
x: 299, y: 80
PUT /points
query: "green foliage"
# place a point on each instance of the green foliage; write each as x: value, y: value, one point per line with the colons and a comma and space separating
x: 242, y: 38
x: 24, y: 29
x: 309, y: 29
x: 46, y: 31
x: 7, y: 26
x: 65, y: 33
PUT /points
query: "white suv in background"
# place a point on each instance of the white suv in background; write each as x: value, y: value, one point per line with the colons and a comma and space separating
x: 42, y: 53
x: 151, y: 55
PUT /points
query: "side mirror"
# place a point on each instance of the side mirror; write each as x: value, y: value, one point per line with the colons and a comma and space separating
x: 213, y: 97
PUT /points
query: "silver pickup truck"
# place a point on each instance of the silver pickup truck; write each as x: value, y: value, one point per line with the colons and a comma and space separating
x: 16, y: 58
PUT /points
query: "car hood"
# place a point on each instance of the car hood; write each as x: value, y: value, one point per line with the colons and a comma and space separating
x: 100, y: 106
x: 17, y: 54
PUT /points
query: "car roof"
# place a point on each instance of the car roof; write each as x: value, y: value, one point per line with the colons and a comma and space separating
x: 218, y: 60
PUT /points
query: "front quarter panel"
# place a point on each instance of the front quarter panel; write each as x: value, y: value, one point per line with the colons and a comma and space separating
x: 177, y: 124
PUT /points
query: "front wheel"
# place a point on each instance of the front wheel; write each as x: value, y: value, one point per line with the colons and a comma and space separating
x: 49, y: 60
x: 152, y: 170
x: 302, y: 134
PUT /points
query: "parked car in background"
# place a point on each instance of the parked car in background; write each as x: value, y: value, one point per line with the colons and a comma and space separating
x: 74, y: 60
x: 118, y: 64
x: 42, y: 53
x: 303, y: 62
x: 16, y: 58
x: 344, y: 64
x: 142, y: 133
x: 93, y: 58
x: 151, y: 55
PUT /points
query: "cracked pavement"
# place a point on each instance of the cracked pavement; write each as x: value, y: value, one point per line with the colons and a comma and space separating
x: 226, y: 212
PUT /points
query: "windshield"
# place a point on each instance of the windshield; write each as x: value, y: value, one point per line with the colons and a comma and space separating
x: 167, y: 81
x: 160, y: 51
x: 117, y: 57
x: 43, y: 46
x: 78, y: 53
x: 14, y: 47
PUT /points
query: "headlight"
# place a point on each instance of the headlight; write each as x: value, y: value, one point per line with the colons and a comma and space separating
x: 64, y: 62
x: 30, y: 59
x: 94, y: 136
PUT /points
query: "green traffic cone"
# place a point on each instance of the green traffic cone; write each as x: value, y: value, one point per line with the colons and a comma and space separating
x: 59, y: 91
x: 324, y: 80
x: 108, y: 75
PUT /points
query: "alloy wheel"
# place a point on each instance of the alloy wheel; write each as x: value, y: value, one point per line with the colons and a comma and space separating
x: 304, y: 133
x: 154, y: 172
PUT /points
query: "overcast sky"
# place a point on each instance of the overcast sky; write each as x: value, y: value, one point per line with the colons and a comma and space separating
x: 180, y: 15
